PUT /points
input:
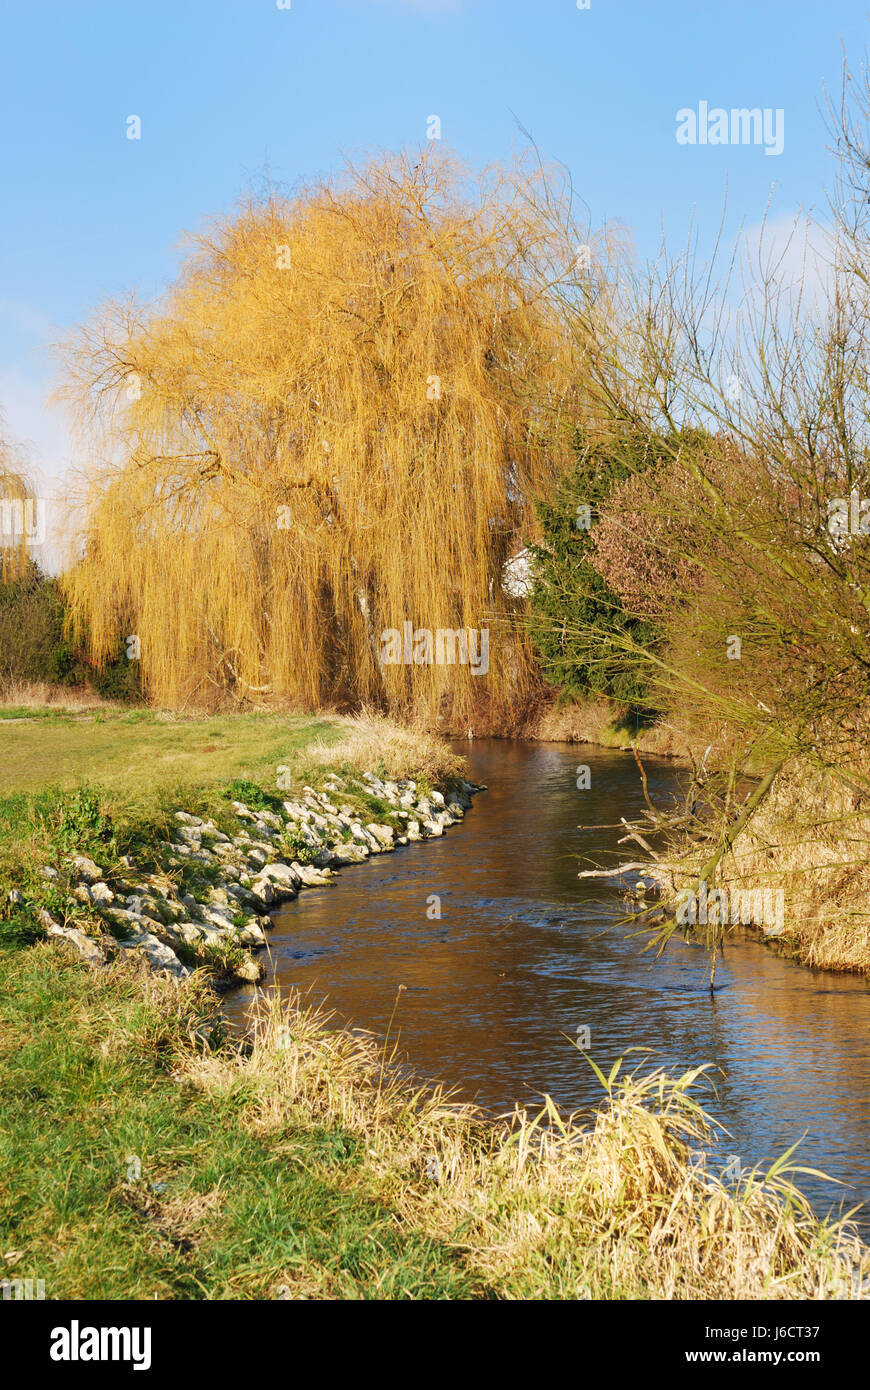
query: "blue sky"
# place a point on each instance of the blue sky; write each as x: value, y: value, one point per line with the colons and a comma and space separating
x: 226, y: 88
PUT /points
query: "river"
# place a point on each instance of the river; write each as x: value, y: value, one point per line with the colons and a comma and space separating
x: 524, y: 953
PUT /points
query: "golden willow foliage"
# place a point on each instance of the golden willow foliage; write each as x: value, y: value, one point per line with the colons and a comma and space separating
x: 333, y: 424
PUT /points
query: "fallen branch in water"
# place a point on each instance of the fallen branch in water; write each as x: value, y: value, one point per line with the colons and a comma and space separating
x: 613, y: 873
x: 638, y: 839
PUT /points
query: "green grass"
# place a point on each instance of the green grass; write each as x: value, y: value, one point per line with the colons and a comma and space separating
x: 144, y: 1154
x: 108, y: 786
x: 217, y: 1210
x: 8, y: 712
x: 141, y: 753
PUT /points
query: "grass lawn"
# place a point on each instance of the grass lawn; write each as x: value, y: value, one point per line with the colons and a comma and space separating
x: 119, y: 1181
x: 143, y: 754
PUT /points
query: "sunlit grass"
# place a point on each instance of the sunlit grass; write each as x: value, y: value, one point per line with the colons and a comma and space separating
x: 141, y: 753
x: 144, y: 1154
x: 118, y: 1180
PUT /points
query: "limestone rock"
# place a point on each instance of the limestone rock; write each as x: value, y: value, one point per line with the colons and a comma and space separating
x: 249, y: 970
x: 310, y: 876
x: 86, y: 947
x: 284, y: 876
x: 159, y: 956
x: 263, y: 890
x: 351, y: 854
x: 84, y: 868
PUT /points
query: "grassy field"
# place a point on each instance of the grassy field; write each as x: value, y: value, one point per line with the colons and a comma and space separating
x: 67, y: 777
x: 143, y: 754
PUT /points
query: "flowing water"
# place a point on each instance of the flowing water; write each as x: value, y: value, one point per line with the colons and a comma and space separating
x: 524, y: 953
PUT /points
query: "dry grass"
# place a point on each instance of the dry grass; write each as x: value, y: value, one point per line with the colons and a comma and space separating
x: 540, y: 1206
x: 808, y: 839
x: 370, y: 740
x: 38, y: 695
x: 607, y: 724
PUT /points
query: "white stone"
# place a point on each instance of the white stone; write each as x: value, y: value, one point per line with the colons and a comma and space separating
x: 85, y: 868
x: 87, y: 948
x: 159, y: 956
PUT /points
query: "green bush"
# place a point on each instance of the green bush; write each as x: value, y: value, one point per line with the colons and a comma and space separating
x: 35, y: 649
x: 569, y: 599
x: 251, y: 795
x: 32, y: 642
x: 82, y: 826
x: 119, y: 678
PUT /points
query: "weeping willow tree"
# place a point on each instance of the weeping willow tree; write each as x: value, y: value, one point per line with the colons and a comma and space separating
x: 332, y: 426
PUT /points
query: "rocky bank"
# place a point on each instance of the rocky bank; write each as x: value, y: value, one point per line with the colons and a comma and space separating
x: 207, y: 901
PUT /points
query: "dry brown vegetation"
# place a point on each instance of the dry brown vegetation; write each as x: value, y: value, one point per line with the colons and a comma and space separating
x: 542, y: 1205
x: 808, y: 840
x: 370, y: 740
x: 38, y: 695
x: 607, y: 724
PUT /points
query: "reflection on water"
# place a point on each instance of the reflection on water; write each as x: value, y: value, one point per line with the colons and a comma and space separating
x: 525, y: 953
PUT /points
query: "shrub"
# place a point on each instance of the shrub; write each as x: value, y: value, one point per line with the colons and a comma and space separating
x: 32, y: 643
x: 251, y: 795
x: 82, y: 826
x: 580, y: 626
x: 35, y: 647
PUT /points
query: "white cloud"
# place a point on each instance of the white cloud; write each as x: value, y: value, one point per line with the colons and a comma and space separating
x: 795, y: 253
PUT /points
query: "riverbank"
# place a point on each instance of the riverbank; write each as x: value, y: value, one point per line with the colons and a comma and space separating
x: 801, y: 848
x: 187, y: 880
x: 795, y: 875
x: 144, y: 1155
x: 606, y: 724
